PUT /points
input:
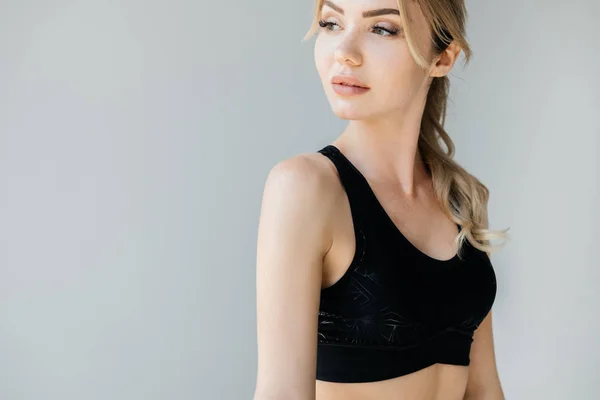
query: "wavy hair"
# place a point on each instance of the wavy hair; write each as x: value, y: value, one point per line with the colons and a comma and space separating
x: 462, y: 196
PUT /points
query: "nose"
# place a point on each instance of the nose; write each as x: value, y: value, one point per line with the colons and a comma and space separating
x: 348, y: 52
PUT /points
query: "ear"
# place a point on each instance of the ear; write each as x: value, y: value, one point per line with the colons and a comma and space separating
x: 445, y: 61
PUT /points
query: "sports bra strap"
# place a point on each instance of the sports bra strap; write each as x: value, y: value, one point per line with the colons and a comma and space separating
x: 352, y: 182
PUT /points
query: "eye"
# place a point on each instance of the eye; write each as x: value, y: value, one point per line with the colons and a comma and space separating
x: 382, y: 31
x: 328, y: 25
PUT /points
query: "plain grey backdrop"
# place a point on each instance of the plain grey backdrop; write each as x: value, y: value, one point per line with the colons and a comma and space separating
x: 135, y: 139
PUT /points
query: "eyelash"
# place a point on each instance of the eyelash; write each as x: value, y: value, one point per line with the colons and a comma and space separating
x: 327, y: 24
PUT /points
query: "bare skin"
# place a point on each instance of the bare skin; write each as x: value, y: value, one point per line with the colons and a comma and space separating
x: 305, y: 236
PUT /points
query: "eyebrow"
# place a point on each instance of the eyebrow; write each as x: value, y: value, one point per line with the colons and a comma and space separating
x: 365, y: 14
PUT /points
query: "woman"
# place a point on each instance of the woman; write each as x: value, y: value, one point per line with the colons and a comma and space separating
x: 373, y: 273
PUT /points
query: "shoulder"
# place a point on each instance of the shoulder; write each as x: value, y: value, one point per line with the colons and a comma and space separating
x: 306, y: 177
x: 300, y: 195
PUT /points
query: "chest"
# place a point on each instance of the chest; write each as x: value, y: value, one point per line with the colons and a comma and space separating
x: 393, y: 296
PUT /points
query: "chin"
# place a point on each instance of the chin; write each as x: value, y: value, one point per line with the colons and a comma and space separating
x: 349, y: 111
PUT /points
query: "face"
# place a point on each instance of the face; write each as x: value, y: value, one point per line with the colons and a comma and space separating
x: 364, y: 39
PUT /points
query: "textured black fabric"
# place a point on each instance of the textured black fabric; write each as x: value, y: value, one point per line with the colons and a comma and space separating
x: 396, y: 310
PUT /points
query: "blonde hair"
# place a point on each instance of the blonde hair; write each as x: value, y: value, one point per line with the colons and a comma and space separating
x: 463, y: 197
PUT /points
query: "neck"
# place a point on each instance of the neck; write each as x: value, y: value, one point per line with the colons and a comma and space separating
x: 387, y: 150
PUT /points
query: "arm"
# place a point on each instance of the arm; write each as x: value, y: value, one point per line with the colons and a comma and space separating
x: 292, y: 241
x: 483, y: 382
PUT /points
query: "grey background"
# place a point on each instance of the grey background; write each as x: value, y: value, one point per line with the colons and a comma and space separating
x: 135, y: 139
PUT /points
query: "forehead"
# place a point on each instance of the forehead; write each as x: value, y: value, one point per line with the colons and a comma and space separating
x: 355, y: 7
x: 365, y: 4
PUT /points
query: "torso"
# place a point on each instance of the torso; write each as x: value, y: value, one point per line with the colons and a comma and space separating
x: 437, y: 382
x: 426, y: 226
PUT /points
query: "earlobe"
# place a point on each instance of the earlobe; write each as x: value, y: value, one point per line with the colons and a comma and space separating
x: 440, y: 74
x: 439, y: 70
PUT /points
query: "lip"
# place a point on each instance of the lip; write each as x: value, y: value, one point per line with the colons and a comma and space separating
x: 346, y: 85
x: 348, y: 80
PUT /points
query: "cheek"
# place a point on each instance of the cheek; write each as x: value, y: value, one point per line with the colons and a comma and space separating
x: 389, y: 62
x: 323, y: 54
x: 395, y: 73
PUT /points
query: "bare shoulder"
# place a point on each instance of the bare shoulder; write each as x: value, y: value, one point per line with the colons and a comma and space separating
x: 306, y: 184
x: 303, y: 171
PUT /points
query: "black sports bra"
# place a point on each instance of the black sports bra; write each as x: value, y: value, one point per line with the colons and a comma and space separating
x: 396, y: 310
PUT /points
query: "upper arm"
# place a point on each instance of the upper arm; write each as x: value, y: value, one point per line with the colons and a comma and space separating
x: 293, y: 238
